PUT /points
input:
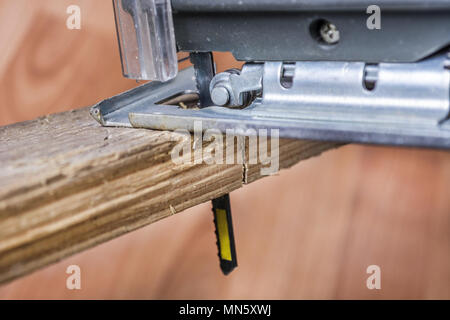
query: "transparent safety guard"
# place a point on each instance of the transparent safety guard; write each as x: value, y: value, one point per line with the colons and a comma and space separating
x: 147, y: 39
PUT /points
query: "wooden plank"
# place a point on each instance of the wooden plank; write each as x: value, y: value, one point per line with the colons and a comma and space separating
x: 68, y: 184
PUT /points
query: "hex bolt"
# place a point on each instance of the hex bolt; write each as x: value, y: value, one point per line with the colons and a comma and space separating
x: 220, y: 95
x: 329, y: 33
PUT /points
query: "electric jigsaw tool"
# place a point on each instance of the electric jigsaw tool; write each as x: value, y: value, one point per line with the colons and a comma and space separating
x: 359, y: 71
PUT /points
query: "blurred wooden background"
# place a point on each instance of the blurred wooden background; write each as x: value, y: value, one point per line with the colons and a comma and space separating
x: 310, y: 232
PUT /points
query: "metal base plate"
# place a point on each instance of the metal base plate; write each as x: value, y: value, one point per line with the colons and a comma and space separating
x: 138, y: 108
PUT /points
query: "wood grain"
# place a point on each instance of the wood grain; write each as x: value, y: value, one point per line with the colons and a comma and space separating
x: 68, y: 184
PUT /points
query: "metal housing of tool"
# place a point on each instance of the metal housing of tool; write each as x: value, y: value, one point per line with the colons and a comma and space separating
x: 368, y: 86
x: 313, y: 70
x: 409, y: 104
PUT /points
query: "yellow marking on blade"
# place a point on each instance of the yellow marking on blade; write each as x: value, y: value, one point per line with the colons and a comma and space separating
x: 224, y: 237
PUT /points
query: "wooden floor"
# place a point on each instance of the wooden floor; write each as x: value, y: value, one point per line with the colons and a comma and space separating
x: 310, y: 232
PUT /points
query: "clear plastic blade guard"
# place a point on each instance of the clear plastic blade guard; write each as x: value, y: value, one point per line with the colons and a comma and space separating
x: 146, y: 38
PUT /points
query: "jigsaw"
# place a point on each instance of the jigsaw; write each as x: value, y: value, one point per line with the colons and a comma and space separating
x: 353, y: 71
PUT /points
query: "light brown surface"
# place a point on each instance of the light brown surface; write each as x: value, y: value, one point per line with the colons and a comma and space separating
x: 68, y: 184
x: 309, y: 233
